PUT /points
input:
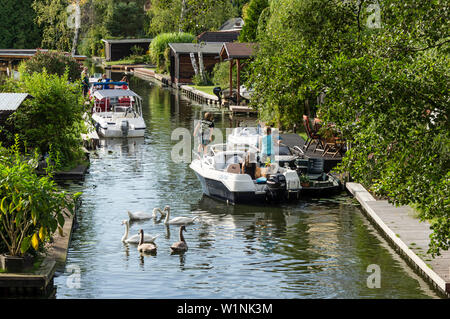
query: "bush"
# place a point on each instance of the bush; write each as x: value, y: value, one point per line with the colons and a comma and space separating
x: 53, y: 118
x: 161, y: 42
x: 221, y: 74
x: 31, y: 207
x: 54, y: 62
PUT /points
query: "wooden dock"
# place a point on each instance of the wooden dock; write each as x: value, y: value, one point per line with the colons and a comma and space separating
x: 241, y: 109
x: 408, y: 235
x: 199, y: 96
x: 148, y: 74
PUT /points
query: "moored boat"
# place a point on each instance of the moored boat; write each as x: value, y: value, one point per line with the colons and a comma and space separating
x: 118, y: 113
x: 219, y: 172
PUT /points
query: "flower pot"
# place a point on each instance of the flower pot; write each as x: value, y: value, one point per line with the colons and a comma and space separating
x: 14, y: 263
x: 305, y: 184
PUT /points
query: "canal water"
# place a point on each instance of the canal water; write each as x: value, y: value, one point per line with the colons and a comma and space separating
x: 310, y: 249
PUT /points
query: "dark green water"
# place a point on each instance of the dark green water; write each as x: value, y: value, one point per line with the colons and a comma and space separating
x: 315, y: 249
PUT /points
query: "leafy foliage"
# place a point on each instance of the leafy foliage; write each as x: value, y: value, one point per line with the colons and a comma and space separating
x: 52, y: 17
x: 160, y: 44
x: 52, y: 120
x: 251, y: 19
x: 17, y: 27
x: 386, y: 87
x: 31, y: 208
x: 192, y: 16
x: 54, y: 63
x: 124, y: 19
x: 221, y: 74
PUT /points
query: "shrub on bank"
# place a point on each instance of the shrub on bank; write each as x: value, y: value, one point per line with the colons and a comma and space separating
x: 52, y: 119
x: 31, y: 207
x: 54, y: 62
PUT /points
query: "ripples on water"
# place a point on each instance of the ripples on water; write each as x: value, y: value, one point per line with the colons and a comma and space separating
x: 315, y: 249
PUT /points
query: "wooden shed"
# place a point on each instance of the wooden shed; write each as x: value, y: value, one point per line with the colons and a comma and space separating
x: 182, y: 66
x: 119, y: 49
x: 10, y: 102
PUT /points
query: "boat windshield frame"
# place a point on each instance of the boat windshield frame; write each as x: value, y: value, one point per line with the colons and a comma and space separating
x: 135, y: 101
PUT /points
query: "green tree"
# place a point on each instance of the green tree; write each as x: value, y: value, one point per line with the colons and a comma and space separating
x: 124, y: 19
x: 192, y: 16
x: 252, y: 12
x: 52, y: 17
x: 384, y: 69
x: 54, y: 63
x: 17, y: 25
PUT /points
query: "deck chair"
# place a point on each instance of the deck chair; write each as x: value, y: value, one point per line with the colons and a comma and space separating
x: 311, y: 134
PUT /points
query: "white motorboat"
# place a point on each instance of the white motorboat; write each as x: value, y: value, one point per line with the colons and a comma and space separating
x: 118, y: 113
x: 219, y: 173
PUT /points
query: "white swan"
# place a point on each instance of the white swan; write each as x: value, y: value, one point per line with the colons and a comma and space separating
x: 145, y: 248
x: 135, y: 239
x: 180, y: 246
x: 144, y: 215
x: 178, y: 220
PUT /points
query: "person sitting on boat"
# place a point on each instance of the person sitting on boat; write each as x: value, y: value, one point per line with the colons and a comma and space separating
x: 105, y: 79
x: 249, y: 167
x: 203, y: 131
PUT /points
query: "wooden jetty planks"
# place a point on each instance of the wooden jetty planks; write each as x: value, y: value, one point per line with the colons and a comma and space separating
x: 408, y: 234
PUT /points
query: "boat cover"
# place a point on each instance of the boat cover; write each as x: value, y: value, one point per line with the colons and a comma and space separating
x: 102, y: 94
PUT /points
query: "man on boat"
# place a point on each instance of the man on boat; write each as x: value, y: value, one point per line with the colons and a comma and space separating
x: 203, y: 131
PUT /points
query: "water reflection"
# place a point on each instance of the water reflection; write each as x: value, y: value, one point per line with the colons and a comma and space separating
x: 316, y: 249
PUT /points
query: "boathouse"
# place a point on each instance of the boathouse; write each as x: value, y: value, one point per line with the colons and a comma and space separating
x: 117, y: 49
x: 184, y: 59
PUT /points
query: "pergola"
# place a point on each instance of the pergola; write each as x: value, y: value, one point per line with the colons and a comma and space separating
x: 235, y: 52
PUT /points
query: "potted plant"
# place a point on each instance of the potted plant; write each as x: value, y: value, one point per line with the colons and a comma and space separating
x: 305, y: 181
x: 31, y: 208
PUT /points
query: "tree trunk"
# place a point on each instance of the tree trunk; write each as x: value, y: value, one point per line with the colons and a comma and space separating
x: 75, y: 41
x: 182, y: 14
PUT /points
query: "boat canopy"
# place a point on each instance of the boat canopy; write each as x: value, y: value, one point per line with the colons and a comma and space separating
x: 102, y: 94
x: 103, y: 84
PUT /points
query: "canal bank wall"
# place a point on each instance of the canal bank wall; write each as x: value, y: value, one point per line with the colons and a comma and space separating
x: 408, y: 235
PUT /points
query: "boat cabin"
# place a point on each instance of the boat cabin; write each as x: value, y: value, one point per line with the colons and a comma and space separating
x: 117, y: 100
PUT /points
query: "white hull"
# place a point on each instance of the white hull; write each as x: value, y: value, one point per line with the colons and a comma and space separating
x: 110, y: 124
x: 219, y: 182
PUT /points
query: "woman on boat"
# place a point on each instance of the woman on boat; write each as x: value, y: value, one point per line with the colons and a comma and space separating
x: 267, y: 146
x: 203, y: 131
